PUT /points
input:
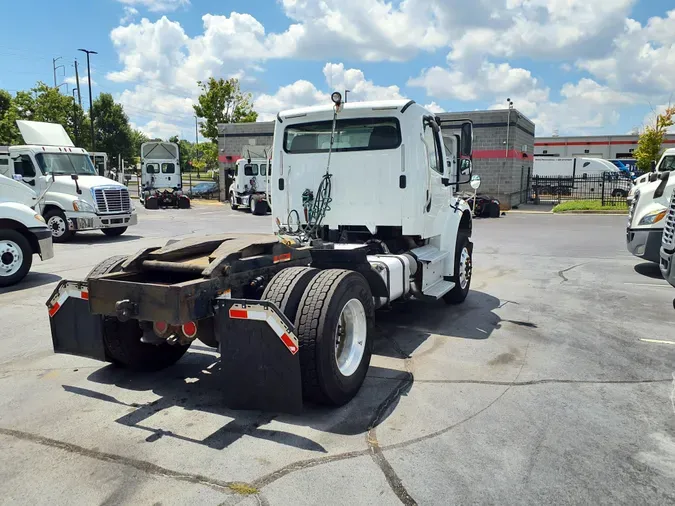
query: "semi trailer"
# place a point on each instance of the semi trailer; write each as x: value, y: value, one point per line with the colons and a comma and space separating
x: 366, y: 215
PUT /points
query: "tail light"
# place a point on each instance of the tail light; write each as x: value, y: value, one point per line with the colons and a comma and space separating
x: 189, y: 329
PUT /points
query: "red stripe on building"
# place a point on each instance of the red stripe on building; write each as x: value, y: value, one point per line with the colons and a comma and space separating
x: 483, y: 154
x: 594, y: 143
x: 229, y: 158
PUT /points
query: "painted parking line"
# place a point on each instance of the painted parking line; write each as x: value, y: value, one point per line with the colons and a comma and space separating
x: 656, y: 341
x: 658, y: 285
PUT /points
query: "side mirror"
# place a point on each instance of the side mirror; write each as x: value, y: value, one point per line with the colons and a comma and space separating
x: 466, y: 167
x: 18, y: 177
x: 74, y: 177
x: 466, y: 140
x: 653, y: 166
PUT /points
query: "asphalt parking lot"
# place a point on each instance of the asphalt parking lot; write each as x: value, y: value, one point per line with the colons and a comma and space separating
x: 538, y: 390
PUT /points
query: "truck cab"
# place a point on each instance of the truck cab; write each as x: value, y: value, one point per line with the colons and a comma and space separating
x: 666, y: 164
x: 250, y: 187
x: 74, y: 196
x: 23, y: 231
x: 646, y: 217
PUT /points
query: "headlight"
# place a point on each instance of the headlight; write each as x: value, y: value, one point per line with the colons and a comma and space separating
x: 39, y: 218
x: 83, y: 207
x: 653, y: 217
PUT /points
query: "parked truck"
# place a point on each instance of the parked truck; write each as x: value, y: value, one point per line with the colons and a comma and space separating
x: 647, y: 216
x: 249, y: 187
x: 23, y: 231
x: 665, y: 164
x: 75, y: 198
x: 292, y: 312
x: 667, y: 251
x: 161, y: 180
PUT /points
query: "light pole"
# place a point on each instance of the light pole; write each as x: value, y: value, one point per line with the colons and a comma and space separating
x: 91, y: 102
x: 347, y: 91
x: 508, y: 125
x: 55, y: 67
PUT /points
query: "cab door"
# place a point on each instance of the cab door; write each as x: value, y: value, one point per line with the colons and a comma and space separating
x: 437, y: 194
x: 25, y: 167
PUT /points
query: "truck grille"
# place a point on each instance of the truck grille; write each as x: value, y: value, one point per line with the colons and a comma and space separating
x: 112, y: 200
x: 669, y: 227
x: 633, y: 205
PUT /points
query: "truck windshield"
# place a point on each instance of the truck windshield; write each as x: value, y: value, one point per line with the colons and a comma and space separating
x: 64, y: 164
x: 359, y: 134
x: 667, y: 164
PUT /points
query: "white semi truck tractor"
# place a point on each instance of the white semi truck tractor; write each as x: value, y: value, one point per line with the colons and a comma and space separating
x: 249, y: 189
x: 647, y: 216
x: 75, y: 197
x: 23, y: 231
x: 365, y: 215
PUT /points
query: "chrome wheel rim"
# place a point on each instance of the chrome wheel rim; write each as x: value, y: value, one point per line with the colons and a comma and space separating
x: 57, y: 225
x: 464, y: 268
x: 252, y: 206
x: 11, y: 258
x: 350, y: 337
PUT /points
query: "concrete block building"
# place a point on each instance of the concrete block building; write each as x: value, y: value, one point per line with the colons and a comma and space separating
x: 503, y: 149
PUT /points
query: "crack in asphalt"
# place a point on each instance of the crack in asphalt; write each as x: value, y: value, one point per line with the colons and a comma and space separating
x: 239, y: 490
x: 235, y: 487
x: 562, y: 272
x: 404, y: 385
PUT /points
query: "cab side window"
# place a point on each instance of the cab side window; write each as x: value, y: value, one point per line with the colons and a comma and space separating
x: 432, y: 149
x: 24, y: 166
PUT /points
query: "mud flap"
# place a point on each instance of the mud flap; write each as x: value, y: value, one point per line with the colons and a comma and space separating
x: 260, y: 365
x: 75, y: 331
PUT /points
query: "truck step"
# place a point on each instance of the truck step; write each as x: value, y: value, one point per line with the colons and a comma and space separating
x: 429, y: 254
x: 438, y: 289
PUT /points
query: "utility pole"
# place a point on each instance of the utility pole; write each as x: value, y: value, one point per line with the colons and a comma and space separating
x: 75, y: 122
x: 91, y: 102
x: 55, y: 67
x: 196, y: 143
x: 77, y: 81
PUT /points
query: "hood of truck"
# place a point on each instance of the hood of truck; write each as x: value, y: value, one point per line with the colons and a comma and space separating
x: 647, y: 204
x: 15, y: 191
x: 65, y: 185
x: 47, y: 134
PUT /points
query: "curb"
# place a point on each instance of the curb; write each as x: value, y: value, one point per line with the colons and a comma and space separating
x: 590, y: 211
x: 516, y: 211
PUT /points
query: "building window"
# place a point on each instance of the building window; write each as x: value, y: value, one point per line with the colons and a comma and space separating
x: 546, y: 151
x: 586, y: 151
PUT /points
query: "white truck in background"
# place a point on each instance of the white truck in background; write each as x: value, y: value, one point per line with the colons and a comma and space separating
x: 646, y: 216
x: 567, y: 171
x: 23, y: 231
x: 250, y: 188
x: 666, y: 164
x: 161, y: 179
x: 75, y: 198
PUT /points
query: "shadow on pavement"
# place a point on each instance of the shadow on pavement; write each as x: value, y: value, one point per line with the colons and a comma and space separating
x: 194, y: 383
x: 649, y: 269
x: 34, y: 279
x: 101, y: 238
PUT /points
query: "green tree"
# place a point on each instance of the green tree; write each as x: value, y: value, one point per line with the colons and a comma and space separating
x: 112, y: 130
x: 651, y: 139
x: 222, y: 101
x: 9, y: 133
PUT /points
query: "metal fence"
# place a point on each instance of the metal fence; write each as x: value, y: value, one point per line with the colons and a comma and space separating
x: 610, y: 188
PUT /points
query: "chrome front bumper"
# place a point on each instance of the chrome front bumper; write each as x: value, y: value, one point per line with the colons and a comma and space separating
x: 91, y: 221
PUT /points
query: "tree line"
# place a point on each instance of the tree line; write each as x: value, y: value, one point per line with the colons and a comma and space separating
x: 220, y: 101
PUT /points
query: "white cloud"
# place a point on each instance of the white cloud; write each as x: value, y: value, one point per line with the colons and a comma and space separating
x: 434, y: 108
x: 158, y: 5
x: 84, y: 81
x: 130, y: 14
x: 642, y: 58
x: 157, y: 129
x: 304, y: 94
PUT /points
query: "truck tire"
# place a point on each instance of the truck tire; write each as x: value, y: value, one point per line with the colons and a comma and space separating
x: 114, y: 232
x: 122, y: 340
x: 58, y: 223
x: 108, y: 266
x: 16, y: 257
x: 287, y: 288
x: 463, y: 270
x: 233, y: 202
x: 333, y: 324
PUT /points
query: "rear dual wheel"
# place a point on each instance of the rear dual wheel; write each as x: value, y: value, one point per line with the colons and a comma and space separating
x: 333, y: 312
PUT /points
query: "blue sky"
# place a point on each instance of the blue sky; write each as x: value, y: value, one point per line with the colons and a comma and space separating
x: 573, y: 66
